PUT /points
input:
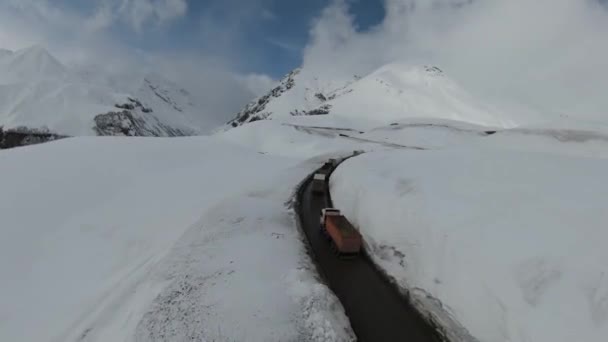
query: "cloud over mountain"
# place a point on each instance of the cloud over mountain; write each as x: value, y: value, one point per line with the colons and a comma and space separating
x: 547, y: 54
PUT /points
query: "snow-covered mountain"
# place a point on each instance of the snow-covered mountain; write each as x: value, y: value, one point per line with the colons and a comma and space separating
x: 37, y: 91
x: 475, y: 223
x: 391, y: 93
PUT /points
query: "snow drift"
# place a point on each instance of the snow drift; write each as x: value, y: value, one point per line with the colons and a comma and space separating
x: 124, y: 239
x: 505, y: 242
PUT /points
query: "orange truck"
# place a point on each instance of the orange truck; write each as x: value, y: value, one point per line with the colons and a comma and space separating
x: 345, y: 239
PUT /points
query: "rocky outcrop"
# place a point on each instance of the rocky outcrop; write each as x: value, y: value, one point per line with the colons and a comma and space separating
x: 318, y: 99
x: 164, y: 95
x: 322, y: 110
x: 133, y: 121
x: 133, y: 104
x: 256, y: 110
x: 125, y: 123
x: 431, y: 69
x: 22, y: 136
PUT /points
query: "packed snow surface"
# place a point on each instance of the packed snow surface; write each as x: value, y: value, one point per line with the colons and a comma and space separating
x: 507, y: 235
x: 497, y: 231
x: 152, y: 239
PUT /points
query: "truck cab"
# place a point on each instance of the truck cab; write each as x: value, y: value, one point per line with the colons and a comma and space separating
x: 328, y: 212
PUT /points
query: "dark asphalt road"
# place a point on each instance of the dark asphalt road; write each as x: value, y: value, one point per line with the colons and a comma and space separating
x: 377, y: 311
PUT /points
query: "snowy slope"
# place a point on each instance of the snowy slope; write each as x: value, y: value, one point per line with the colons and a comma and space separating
x: 393, y: 92
x: 501, y: 237
x: 33, y: 63
x: 115, y: 239
x: 37, y: 91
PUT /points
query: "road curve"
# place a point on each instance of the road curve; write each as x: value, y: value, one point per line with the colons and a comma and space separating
x: 377, y: 311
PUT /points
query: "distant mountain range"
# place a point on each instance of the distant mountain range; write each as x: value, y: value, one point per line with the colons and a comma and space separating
x: 391, y: 93
x: 40, y: 93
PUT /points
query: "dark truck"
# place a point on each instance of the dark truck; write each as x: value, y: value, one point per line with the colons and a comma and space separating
x: 319, y: 179
x: 318, y: 183
x: 345, y: 239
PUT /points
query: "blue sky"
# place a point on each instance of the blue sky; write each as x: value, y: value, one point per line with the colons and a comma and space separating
x: 254, y: 36
x: 225, y: 51
x: 269, y: 35
x: 231, y: 50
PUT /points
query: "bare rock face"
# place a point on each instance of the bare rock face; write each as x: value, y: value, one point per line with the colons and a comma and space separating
x: 23, y: 136
x: 256, y: 110
x: 133, y: 104
x: 322, y: 110
x: 130, y: 121
x: 164, y: 95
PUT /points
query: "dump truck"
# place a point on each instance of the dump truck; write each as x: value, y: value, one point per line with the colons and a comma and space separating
x: 345, y: 239
x: 319, y: 183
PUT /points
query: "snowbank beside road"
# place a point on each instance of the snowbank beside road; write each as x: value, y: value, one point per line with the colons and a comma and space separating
x: 511, y: 242
x: 88, y: 229
x: 298, y: 142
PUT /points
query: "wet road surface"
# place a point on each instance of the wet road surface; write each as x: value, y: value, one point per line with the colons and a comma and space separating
x: 377, y: 311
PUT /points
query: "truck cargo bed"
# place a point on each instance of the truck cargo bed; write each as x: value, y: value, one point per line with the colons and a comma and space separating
x: 346, y: 238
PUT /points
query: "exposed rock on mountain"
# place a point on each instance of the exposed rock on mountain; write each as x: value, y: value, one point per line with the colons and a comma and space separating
x: 256, y: 110
x: 22, y: 136
x: 391, y: 93
x: 132, y: 122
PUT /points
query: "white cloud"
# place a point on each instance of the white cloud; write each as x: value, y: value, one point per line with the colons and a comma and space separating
x: 217, y: 89
x: 546, y: 53
x: 14, y: 36
x: 258, y: 84
x: 79, y: 39
x: 101, y: 19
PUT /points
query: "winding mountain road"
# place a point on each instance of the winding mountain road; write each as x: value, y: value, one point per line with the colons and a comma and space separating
x: 377, y: 311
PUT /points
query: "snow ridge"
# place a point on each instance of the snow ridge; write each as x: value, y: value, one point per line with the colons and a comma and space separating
x: 256, y: 110
x: 391, y: 93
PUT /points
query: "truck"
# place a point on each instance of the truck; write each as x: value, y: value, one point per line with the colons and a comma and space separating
x: 319, y: 183
x: 328, y: 166
x: 319, y: 179
x: 344, y: 238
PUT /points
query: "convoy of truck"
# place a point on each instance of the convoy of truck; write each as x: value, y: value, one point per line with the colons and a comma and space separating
x: 345, y: 240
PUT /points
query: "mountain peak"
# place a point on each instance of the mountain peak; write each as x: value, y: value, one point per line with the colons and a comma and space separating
x: 5, y: 53
x: 36, y: 53
x: 31, y: 63
x: 90, y: 100
x: 256, y: 110
x: 391, y: 93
